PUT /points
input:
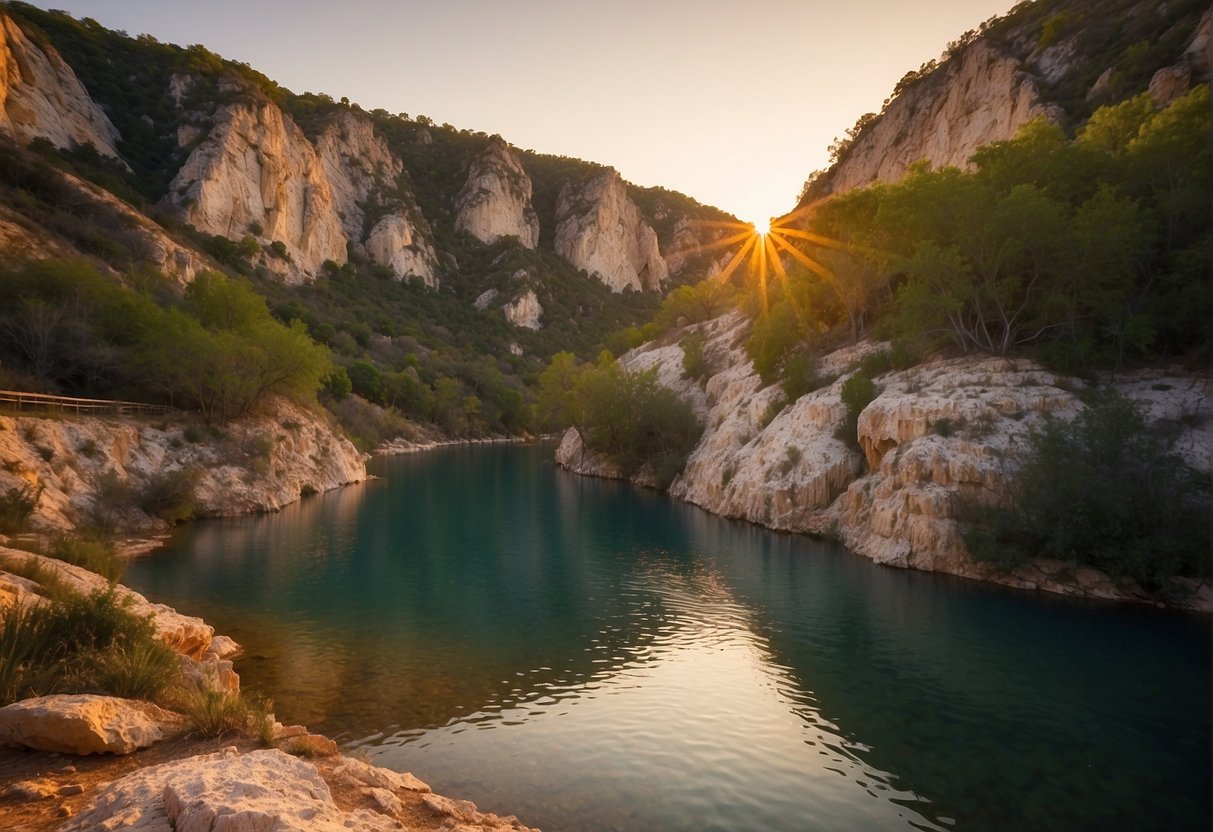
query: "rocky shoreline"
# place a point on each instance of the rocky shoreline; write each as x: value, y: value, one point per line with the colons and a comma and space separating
x: 937, y: 435
x: 91, y: 762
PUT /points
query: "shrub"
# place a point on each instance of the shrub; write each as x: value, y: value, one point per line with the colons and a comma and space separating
x: 1105, y: 491
x: 791, y: 459
x: 857, y: 393
x: 192, y: 434
x: 79, y: 643
x: 94, y: 554
x: 16, y: 506
x: 695, y: 364
x: 211, y: 713
x: 143, y: 669
x: 169, y: 495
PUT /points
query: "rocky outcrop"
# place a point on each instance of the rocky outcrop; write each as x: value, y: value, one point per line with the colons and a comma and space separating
x: 982, y: 96
x: 191, y: 637
x: 41, y: 97
x: 936, y: 436
x: 83, y: 724
x: 256, y: 173
x: 524, y: 311
x: 264, y: 790
x: 360, y: 166
x: 495, y: 201
x: 600, y: 230
x: 260, y: 463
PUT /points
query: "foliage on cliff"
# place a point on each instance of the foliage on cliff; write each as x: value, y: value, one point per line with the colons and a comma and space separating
x: 627, y: 416
x: 217, y: 350
x: 1103, y: 490
x: 1084, y: 252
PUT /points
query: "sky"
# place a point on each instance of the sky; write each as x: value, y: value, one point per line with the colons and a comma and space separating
x: 733, y: 103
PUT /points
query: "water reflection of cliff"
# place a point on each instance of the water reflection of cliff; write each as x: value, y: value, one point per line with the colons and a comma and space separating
x: 477, y: 591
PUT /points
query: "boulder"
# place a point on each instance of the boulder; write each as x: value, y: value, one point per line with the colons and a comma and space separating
x: 224, y: 792
x: 84, y: 724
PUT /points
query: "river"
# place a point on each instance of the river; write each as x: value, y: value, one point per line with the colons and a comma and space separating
x: 595, y: 657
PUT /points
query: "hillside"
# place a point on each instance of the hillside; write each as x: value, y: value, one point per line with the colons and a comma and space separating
x: 981, y: 345
x: 1057, y: 59
x: 440, y: 267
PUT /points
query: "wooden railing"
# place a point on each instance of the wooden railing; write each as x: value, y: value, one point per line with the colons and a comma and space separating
x: 43, y: 403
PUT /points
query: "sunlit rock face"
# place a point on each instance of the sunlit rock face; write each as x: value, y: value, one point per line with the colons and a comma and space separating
x: 359, y: 165
x: 600, y: 230
x: 935, y: 437
x: 495, y: 201
x: 40, y: 96
x: 984, y: 96
x: 256, y: 173
x: 258, y: 467
x: 525, y: 311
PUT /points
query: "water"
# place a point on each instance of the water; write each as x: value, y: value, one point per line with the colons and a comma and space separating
x: 595, y: 657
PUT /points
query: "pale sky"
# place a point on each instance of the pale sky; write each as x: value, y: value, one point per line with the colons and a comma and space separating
x: 733, y: 103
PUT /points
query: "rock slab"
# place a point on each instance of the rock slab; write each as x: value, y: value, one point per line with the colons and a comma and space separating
x: 83, y: 724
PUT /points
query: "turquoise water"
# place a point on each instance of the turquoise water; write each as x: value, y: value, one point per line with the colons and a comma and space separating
x: 596, y: 657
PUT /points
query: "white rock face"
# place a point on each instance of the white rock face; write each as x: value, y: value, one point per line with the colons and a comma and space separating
x: 83, y: 724
x: 984, y: 96
x: 226, y: 791
x: 935, y: 435
x: 256, y: 167
x: 524, y: 311
x: 599, y: 229
x: 358, y: 163
x: 41, y: 97
x: 482, y: 302
x: 495, y: 201
x: 262, y: 464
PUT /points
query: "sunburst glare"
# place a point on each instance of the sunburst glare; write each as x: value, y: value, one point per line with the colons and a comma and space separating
x: 762, y: 245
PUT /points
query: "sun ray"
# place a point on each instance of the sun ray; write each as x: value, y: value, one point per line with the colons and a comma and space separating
x: 724, y: 242
x: 810, y: 263
x: 737, y: 258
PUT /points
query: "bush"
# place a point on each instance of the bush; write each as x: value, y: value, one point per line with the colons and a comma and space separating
x: 81, y: 644
x: 169, y: 495
x: 1104, y: 491
x: 636, y: 422
x: 212, y: 713
x: 857, y: 393
x: 695, y: 364
x: 94, y: 554
x: 16, y: 506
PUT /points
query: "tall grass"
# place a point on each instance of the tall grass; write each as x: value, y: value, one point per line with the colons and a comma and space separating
x: 92, y: 553
x: 82, y: 644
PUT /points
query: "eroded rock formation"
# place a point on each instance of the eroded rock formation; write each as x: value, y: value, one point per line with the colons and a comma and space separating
x: 260, y: 463
x: 936, y: 435
x: 256, y: 173
x: 599, y: 229
x: 84, y: 724
x: 495, y: 201
x: 41, y: 97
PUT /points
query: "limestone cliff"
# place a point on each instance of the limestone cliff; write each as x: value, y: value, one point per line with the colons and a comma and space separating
x: 984, y: 95
x: 256, y: 173
x: 87, y: 467
x: 41, y: 97
x: 935, y: 434
x: 495, y: 201
x: 525, y: 310
x: 599, y: 229
x: 360, y: 168
x: 1050, y: 60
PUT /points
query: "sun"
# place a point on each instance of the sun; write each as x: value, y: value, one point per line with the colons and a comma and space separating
x: 765, y: 244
